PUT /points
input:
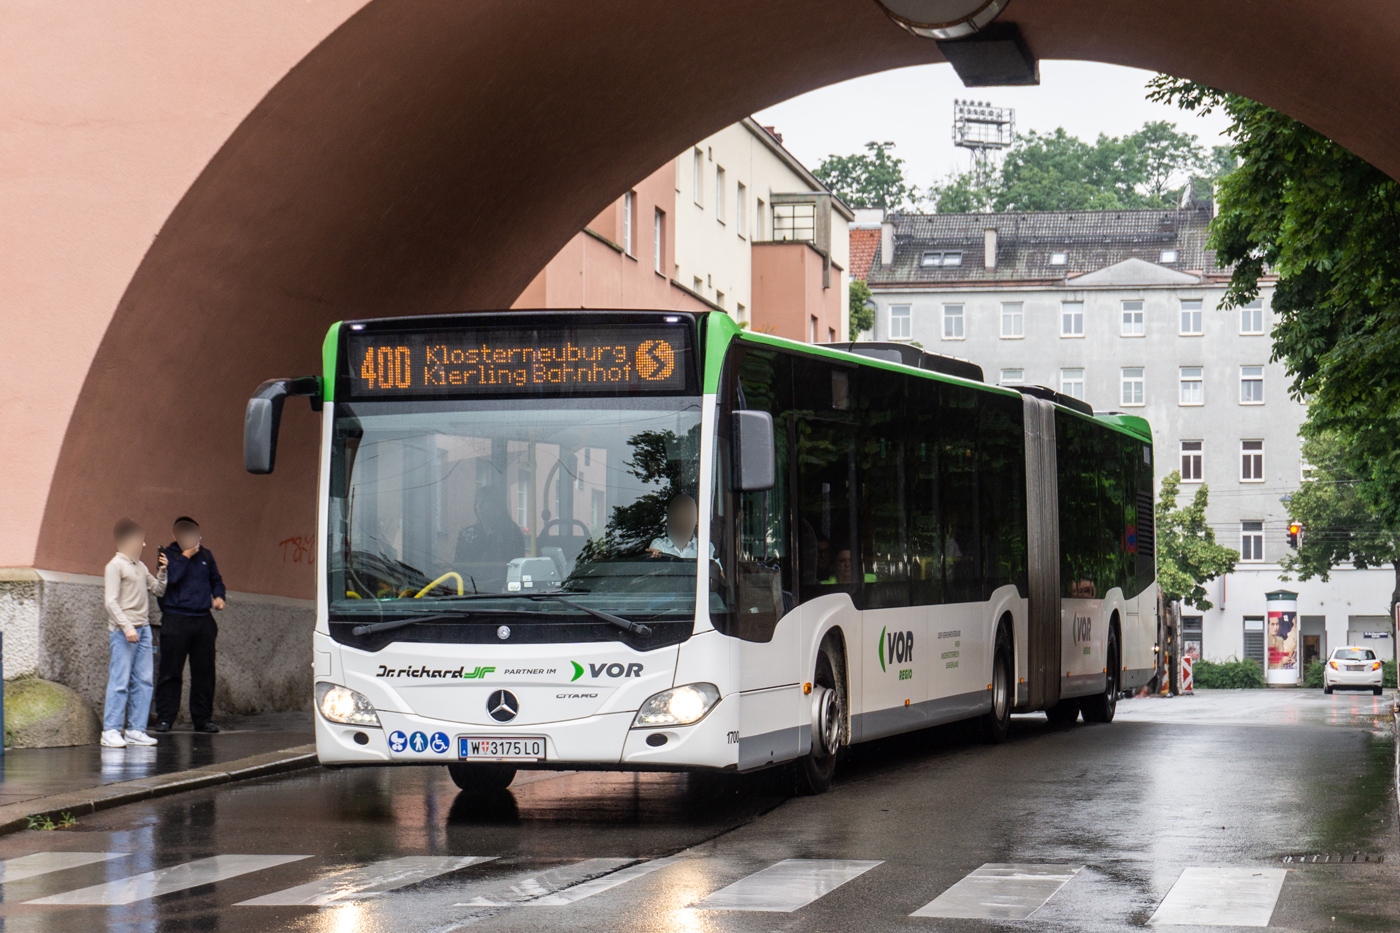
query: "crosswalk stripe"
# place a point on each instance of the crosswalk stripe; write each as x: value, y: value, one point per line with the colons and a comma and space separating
x: 41, y: 863
x: 786, y: 886
x: 999, y: 891
x: 1234, y: 897
x: 598, y: 885
x: 526, y: 887
x: 168, y: 880
x: 367, y: 881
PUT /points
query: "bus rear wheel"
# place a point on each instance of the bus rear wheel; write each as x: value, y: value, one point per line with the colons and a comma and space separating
x: 481, y: 778
x: 1101, y: 708
x: 996, y: 722
x: 812, y: 773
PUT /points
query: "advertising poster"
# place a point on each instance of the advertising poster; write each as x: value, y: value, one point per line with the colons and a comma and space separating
x: 1282, y: 640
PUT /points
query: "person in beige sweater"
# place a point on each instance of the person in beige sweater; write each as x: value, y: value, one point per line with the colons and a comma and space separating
x: 125, y: 589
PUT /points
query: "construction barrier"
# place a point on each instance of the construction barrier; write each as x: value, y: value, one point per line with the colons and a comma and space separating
x: 1186, y: 675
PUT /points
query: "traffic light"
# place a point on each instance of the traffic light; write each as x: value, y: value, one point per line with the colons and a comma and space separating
x: 1295, y: 532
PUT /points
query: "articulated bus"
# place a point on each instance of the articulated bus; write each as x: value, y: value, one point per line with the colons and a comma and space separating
x: 655, y: 541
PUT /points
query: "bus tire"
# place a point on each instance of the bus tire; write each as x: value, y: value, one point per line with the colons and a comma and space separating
x: 481, y: 778
x: 996, y: 722
x: 1101, y: 707
x: 1063, y: 713
x: 812, y: 773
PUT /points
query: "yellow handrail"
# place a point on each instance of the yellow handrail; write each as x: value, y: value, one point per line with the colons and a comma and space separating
x: 450, y: 573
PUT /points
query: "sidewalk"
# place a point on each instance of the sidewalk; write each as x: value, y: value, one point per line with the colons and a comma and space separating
x: 90, y: 777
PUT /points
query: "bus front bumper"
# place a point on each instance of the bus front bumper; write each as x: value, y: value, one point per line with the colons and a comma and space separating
x: 603, y: 741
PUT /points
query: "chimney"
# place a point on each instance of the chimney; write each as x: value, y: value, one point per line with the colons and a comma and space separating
x: 886, y: 243
x: 989, y: 248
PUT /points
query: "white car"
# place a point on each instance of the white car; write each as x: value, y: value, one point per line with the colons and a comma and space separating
x: 1352, y: 667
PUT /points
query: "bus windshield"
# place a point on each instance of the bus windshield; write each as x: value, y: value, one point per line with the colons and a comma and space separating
x: 491, y: 505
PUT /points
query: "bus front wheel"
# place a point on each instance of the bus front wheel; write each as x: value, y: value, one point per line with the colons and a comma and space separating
x: 482, y: 778
x: 812, y: 773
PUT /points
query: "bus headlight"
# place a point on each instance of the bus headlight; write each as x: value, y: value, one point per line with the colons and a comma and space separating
x: 679, y: 706
x: 341, y: 704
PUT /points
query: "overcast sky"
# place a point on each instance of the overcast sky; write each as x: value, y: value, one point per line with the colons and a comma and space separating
x: 913, y: 107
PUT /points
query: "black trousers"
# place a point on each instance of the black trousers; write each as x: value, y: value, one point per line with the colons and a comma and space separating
x: 181, y: 638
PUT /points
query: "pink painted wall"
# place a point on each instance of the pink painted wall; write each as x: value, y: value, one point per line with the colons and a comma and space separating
x: 788, y: 292
x: 108, y: 113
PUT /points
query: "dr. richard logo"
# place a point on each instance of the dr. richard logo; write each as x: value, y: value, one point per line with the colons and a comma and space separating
x: 425, y: 673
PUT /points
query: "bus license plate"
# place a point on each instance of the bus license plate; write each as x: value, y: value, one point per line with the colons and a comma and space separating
x: 501, y: 748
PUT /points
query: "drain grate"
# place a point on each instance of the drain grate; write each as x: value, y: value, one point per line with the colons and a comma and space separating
x: 1332, y: 858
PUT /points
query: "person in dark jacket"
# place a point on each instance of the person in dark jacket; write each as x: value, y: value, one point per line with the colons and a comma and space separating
x: 193, y: 587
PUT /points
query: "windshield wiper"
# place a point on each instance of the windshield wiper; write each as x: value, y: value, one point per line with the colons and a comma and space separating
x: 393, y: 624
x: 627, y: 625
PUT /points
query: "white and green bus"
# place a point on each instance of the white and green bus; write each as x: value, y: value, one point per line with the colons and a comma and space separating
x: 654, y: 541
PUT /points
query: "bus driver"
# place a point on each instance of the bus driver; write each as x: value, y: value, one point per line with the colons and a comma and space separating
x: 682, y: 515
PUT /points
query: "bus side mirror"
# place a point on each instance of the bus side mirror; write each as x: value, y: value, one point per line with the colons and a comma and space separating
x: 755, y: 467
x: 264, y: 417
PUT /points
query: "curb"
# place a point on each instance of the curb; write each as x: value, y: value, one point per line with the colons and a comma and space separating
x: 16, y: 816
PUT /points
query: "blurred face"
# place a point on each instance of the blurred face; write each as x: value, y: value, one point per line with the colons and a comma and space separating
x: 187, y: 537
x: 843, y: 566
x: 680, y: 520
x: 132, y: 545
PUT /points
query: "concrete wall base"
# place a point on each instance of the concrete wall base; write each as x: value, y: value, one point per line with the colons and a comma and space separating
x: 56, y: 628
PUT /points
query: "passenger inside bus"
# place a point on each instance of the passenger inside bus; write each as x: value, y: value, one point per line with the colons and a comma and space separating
x: 493, y: 541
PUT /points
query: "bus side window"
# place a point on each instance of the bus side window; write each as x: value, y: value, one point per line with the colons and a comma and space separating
x: 958, y: 462
x: 1079, y: 507
x: 1002, y: 453
x: 922, y: 475
x: 763, y: 569
x: 825, y: 450
x: 880, y: 465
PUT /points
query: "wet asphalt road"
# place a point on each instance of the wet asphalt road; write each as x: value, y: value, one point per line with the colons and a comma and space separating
x: 1250, y: 786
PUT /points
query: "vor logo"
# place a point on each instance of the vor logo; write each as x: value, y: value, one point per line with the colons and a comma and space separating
x: 895, y: 648
x: 655, y: 360
x: 605, y: 669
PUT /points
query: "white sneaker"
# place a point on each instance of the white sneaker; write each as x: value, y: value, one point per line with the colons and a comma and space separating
x: 113, y: 739
x: 137, y: 737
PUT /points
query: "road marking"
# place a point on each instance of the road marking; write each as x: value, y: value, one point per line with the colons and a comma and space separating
x: 1222, y: 897
x: 524, y: 888
x: 787, y: 885
x: 41, y: 863
x: 168, y: 880
x: 1000, y: 892
x: 598, y: 885
x: 367, y: 881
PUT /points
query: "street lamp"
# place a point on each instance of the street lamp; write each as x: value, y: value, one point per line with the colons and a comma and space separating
x: 943, y: 19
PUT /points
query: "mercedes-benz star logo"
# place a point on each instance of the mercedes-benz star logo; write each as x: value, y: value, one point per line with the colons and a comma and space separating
x: 503, y: 632
x: 502, y: 705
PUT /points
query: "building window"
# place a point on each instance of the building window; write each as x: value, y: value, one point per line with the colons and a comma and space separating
x: 936, y: 258
x: 899, y: 322
x: 1132, y: 319
x: 794, y: 222
x: 1191, y: 323
x: 831, y: 335
x: 1251, y: 461
x: 1254, y: 639
x: 1252, y: 317
x: 1059, y: 259
x: 1132, y: 386
x: 1252, y: 542
x: 1011, y: 319
x: 1251, y: 385
x: 741, y: 209
x: 699, y: 284
x: 629, y: 204
x: 698, y: 177
x: 1193, y: 386
x: 1192, y: 465
x: 1168, y: 256
x: 1072, y: 383
x: 658, y: 237
x: 813, y: 329
x: 719, y: 298
x: 953, y: 322
x: 760, y: 220
x: 1072, y: 319
x: 1012, y: 377
x: 719, y: 193
x: 741, y: 313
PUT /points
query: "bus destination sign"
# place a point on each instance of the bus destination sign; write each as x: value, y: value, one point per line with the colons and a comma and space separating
x: 582, y: 360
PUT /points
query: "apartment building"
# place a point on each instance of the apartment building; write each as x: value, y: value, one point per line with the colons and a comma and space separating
x: 1124, y: 309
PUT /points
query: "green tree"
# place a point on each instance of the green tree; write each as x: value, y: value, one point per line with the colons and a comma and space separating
x: 1187, y: 555
x: 1339, y: 526
x: 862, y: 315
x: 1165, y: 158
x: 1326, y: 223
x: 873, y: 178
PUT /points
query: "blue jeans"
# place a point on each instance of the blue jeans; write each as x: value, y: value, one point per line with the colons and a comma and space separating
x: 129, y: 681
